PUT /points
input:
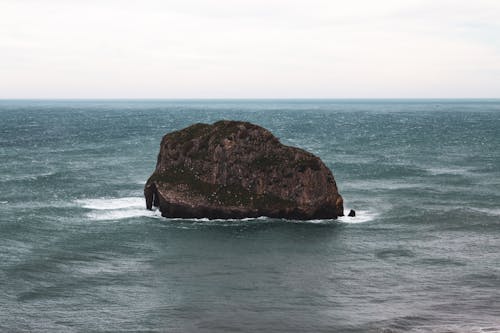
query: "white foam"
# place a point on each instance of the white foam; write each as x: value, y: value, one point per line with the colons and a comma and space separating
x: 448, y: 171
x: 112, y: 203
x: 205, y: 219
x: 118, y: 214
x: 456, y: 328
x: 9, y: 178
x: 103, y: 209
x: 110, y: 266
x: 362, y: 216
x: 116, y: 208
x: 313, y: 221
x: 488, y: 211
x: 382, y: 185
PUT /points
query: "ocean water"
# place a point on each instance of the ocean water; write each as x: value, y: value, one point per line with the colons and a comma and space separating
x: 79, y: 252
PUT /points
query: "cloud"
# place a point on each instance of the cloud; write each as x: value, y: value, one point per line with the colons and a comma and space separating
x: 274, y: 48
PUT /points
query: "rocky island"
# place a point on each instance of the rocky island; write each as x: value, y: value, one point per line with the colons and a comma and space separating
x: 233, y: 169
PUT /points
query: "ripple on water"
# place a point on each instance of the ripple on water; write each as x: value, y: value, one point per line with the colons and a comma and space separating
x: 394, y: 253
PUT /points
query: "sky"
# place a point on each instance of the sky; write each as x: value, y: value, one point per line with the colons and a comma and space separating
x: 249, y: 49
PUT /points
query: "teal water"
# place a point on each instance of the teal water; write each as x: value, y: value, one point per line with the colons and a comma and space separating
x: 79, y: 252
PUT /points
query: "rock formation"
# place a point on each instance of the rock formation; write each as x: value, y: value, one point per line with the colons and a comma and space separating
x: 234, y: 169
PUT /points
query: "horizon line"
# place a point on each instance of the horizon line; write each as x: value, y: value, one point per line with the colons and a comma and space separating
x: 237, y: 98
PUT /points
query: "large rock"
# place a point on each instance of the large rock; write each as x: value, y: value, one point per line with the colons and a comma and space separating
x: 234, y: 169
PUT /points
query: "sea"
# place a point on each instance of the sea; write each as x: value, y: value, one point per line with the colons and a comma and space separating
x: 79, y: 252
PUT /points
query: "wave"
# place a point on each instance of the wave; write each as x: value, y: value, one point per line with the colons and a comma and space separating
x: 129, y: 207
x: 449, y: 171
x: 116, y: 208
x: 487, y: 211
x: 385, y: 184
x: 119, y: 214
x: 205, y: 219
x: 362, y: 216
x: 112, y: 203
x: 24, y: 177
x: 458, y: 328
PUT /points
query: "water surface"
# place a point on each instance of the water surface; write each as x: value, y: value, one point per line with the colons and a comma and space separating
x: 78, y: 251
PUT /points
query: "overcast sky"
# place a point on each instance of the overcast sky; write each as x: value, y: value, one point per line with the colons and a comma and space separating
x: 249, y: 49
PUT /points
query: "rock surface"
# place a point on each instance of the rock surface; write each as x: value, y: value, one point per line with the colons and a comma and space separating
x: 236, y: 169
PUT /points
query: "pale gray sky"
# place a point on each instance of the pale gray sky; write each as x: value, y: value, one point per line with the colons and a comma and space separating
x: 249, y: 48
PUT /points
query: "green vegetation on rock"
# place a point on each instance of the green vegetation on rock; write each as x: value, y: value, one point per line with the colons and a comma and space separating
x: 225, y: 195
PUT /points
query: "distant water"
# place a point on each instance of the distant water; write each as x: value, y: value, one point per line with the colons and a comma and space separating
x: 79, y: 252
